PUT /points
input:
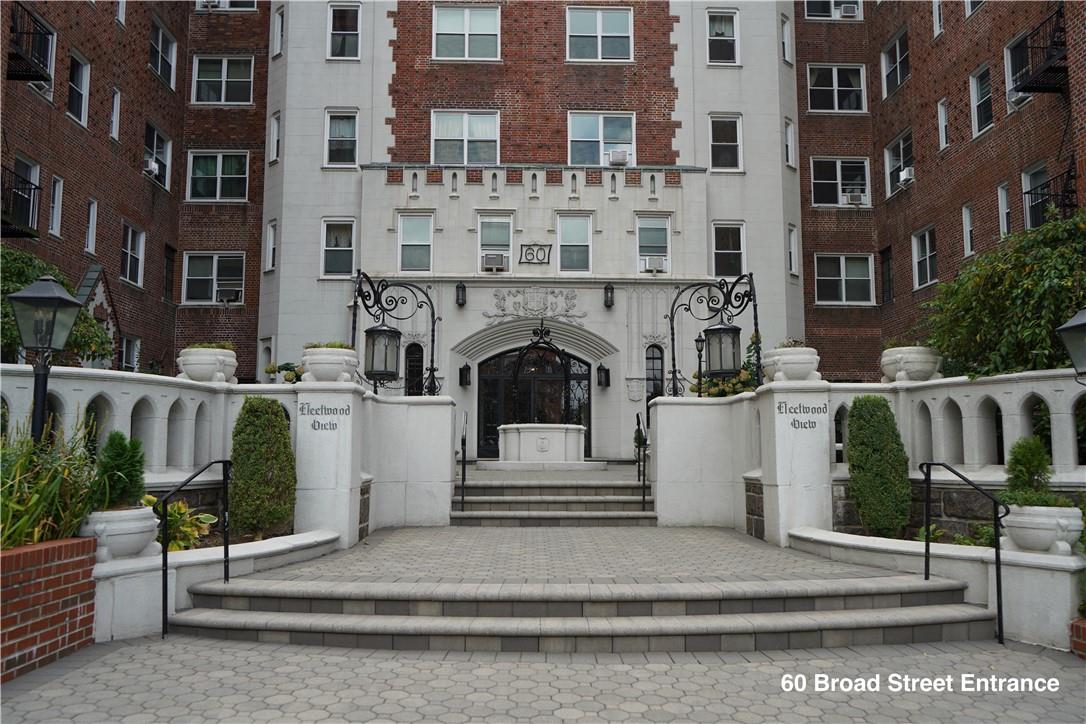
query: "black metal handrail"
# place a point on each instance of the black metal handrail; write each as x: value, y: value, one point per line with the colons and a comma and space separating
x: 19, y: 199
x: 997, y: 523
x: 641, y: 443
x: 464, y: 462
x: 163, y: 506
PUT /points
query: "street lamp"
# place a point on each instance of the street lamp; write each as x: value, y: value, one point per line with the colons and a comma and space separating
x: 45, y: 314
x: 382, y: 354
x: 723, y: 344
x: 699, y: 344
x: 1073, y: 334
x: 393, y: 300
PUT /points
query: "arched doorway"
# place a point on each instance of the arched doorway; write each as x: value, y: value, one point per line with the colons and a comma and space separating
x: 539, y: 397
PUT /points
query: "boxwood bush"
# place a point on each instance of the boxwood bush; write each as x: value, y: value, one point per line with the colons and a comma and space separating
x: 878, y: 467
x: 120, y: 473
x: 262, y: 489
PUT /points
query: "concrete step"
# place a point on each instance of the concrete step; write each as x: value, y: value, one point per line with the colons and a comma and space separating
x: 722, y: 632
x: 551, y: 518
x: 552, y: 502
x: 518, y: 488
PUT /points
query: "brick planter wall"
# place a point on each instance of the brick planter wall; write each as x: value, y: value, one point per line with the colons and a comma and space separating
x: 48, y: 596
x: 1078, y: 637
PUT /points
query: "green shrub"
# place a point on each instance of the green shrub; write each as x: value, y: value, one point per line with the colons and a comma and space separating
x: 329, y: 345
x: 262, y: 491
x: 1035, y: 497
x: 211, y: 345
x: 1029, y: 467
x: 789, y: 342
x: 878, y: 467
x: 187, y: 526
x: 120, y: 472
x: 932, y: 531
x: 982, y: 535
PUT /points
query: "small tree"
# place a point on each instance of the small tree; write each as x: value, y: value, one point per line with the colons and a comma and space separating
x: 1029, y: 471
x: 878, y: 467
x: 262, y: 489
x: 120, y: 472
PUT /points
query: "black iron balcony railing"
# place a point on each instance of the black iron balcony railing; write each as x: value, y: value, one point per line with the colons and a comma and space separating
x: 20, y: 204
x: 1047, y: 48
x: 31, y: 46
x: 1058, y: 191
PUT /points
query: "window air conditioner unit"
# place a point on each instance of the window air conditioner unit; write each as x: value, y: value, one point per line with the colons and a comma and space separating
x: 1017, y: 98
x: 495, y: 262
x: 849, y: 10
x: 150, y: 166
x: 618, y: 157
x: 209, y: 4
x: 852, y: 199
x: 653, y: 264
x: 907, y: 176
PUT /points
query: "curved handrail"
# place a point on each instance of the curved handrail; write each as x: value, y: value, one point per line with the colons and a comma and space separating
x: 639, y: 456
x: 463, y: 461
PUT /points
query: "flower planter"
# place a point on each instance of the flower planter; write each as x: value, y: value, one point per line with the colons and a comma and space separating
x: 207, y: 365
x: 1042, y: 529
x: 910, y: 364
x: 791, y: 363
x: 329, y: 364
x: 125, y: 533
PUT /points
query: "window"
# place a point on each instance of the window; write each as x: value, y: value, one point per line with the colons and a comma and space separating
x: 653, y: 233
x: 835, y: 9
x: 163, y: 53
x: 967, y: 229
x: 467, y: 33
x: 1003, y: 191
x: 723, y: 38
x: 206, y: 275
x: 279, y: 25
x: 218, y: 176
x: 789, y: 143
x: 1034, y: 204
x: 936, y: 17
x: 793, y: 250
x: 944, y: 124
x: 342, y: 133
x: 169, y: 258
x: 727, y: 250
x: 1016, y: 70
x: 495, y: 234
x: 924, y: 272
x: 416, y: 240
x: 132, y: 255
x: 115, y: 116
x: 78, y: 88
x: 980, y: 94
x: 274, y: 135
x: 344, y: 32
x: 574, y: 235
x: 157, y: 147
x: 654, y: 372
x: 130, y: 354
x: 593, y: 135
x: 55, y: 206
x: 464, y: 138
x: 24, y: 209
x: 886, y: 266
x: 599, y: 34
x: 843, y: 279
x: 337, y: 251
x: 270, y: 249
x: 121, y: 11
x: 971, y: 6
x: 725, y: 144
x: 895, y: 64
x: 92, y: 225
x: 231, y: 4
x: 43, y: 48
x: 223, y: 80
x: 413, y: 370
x: 899, y: 156
x: 836, y: 88
x: 839, y: 182
x: 786, y: 39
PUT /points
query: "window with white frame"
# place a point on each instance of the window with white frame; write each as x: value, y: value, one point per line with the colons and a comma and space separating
x: 56, y: 205
x: 227, y: 5
x: 786, y: 39
x: 344, y: 31
x: 24, y: 203
x: 967, y: 229
x: 725, y: 145
x: 727, y: 249
x: 971, y: 6
x: 115, y: 116
x: 227, y: 81
x: 980, y: 95
x: 839, y: 182
x: 792, y: 240
x: 130, y: 354
x: 924, y: 271
x: 723, y: 37
x: 279, y: 27
x: 218, y: 176
x: 274, y: 134
x: 157, y: 147
x: 844, y: 279
x: 271, y: 249
x: 464, y: 138
x: 1003, y: 195
x: 599, y: 34
x: 1034, y: 205
x: 341, y: 148
x: 653, y: 236
x: 936, y: 17
x: 78, y: 88
x: 789, y: 143
x: 92, y: 226
x: 895, y: 64
x: 43, y: 47
x: 574, y: 242
x: 132, y: 241
x: 208, y: 274
x: 1016, y: 70
x: 592, y: 136
x: 837, y: 88
x: 898, y: 156
x: 121, y: 8
x: 416, y: 232
x: 943, y: 119
x: 337, y: 248
x: 495, y: 233
x: 834, y: 9
x: 467, y: 33
x: 163, y: 53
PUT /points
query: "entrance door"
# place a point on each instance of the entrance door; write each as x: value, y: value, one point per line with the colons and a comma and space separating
x: 539, y: 397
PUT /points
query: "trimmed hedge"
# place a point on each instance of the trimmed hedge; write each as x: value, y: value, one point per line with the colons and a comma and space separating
x: 878, y: 467
x: 262, y: 489
x: 120, y: 472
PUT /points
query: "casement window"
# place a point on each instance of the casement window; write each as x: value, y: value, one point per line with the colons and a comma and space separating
x: 43, y: 49
x: 227, y: 81
x: 936, y: 17
x: 844, y: 279
x: 727, y: 250
x: 169, y: 259
x: 789, y: 143
x: 786, y: 39
x: 92, y: 226
x: 725, y: 144
x: 574, y: 242
x: 967, y: 229
x: 115, y: 116
x: 792, y: 241
x: 1034, y: 205
x: 211, y: 277
x: 924, y: 270
x: 898, y: 156
x: 218, y: 176
x: 157, y: 147
x: 24, y: 203
x: 416, y: 232
x: 834, y: 9
x: 78, y: 88
x: 1003, y: 192
x: 653, y: 236
x: 592, y: 136
x: 495, y: 235
x: 599, y: 34
x: 337, y: 248
x: 723, y: 37
x: 271, y: 249
x: 971, y: 6
x: 279, y: 27
x: 895, y: 64
x: 464, y: 138
x: 839, y: 182
x: 1016, y: 70
x: 341, y: 132
x: 980, y: 96
x: 467, y: 33
x: 130, y: 354
x: 163, y: 53
x: 132, y: 242
x: 344, y: 31
x: 943, y: 119
x: 56, y: 205
x: 886, y: 268
x: 837, y: 88
x: 274, y: 134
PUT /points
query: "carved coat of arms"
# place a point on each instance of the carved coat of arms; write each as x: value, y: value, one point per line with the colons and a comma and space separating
x: 533, y: 303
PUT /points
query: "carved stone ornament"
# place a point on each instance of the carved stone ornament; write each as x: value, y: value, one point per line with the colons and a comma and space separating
x: 422, y: 338
x: 635, y: 389
x: 535, y: 303
x: 535, y: 253
x: 660, y: 339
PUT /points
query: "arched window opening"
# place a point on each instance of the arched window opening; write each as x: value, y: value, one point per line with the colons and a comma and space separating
x: 413, y: 370
x: 1038, y: 422
x: 840, y: 435
x: 953, y: 439
x: 922, y: 443
x: 654, y: 376
x: 989, y: 433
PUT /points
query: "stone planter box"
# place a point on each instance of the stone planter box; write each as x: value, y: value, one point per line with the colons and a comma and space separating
x: 329, y: 364
x: 201, y: 364
x: 1042, y: 529
x: 910, y: 364
x: 791, y: 363
x: 125, y: 533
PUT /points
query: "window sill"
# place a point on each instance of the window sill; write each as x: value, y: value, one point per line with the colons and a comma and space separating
x: 983, y: 131
x: 54, y: 235
x: 887, y: 96
x: 73, y: 119
x: 723, y: 65
x: 132, y: 284
x: 592, y: 61
x: 840, y: 207
x: 270, y: 270
x: 342, y: 60
x: 1012, y: 109
x: 836, y: 305
x: 928, y: 285
x: 822, y: 112
x: 153, y: 180
x: 490, y: 61
x: 728, y: 171
x: 833, y: 20
x: 207, y: 202
x: 340, y: 167
x: 791, y: 166
x: 273, y: 162
x: 332, y: 278
x: 47, y: 97
x: 166, y: 82
x: 276, y: 56
x: 207, y: 104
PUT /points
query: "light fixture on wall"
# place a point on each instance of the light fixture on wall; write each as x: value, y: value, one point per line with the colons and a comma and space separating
x: 465, y: 376
x: 603, y: 376
x: 609, y: 295
x: 1073, y: 334
x: 461, y: 294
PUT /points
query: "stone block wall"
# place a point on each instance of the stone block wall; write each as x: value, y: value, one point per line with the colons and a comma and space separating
x: 755, y: 510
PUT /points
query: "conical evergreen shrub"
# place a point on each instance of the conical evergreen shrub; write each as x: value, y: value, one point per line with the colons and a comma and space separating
x: 878, y: 467
x: 262, y: 489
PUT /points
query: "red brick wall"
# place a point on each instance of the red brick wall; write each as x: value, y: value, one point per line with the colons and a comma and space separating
x: 48, y: 595
x: 534, y: 86
x: 1078, y: 637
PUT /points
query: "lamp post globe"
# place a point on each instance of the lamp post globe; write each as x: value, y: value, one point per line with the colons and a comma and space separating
x: 382, y: 353
x: 1073, y: 334
x: 722, y: 344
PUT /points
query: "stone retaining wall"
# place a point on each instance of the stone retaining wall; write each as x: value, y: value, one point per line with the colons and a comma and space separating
x: 755, y: 510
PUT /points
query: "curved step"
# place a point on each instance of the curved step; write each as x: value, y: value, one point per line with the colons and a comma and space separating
x: 539, y: 518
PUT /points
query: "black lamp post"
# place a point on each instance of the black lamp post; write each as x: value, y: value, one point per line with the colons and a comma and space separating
x: 45, y: 314
x: 699, y: 344
x: 1073, y: 334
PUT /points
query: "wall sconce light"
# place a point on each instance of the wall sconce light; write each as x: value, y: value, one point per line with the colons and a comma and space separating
x: 609, y: 295
x: 465, y: 376
x: 603, y: 376
x: 461, y: 294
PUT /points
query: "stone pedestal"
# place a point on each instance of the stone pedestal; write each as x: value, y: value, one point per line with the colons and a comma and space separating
x: 540, y: 446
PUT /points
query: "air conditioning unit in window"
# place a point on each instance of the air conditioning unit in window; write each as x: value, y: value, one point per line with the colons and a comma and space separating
x: 618, y: 157
x: 150, y: 166
x: 907, y: 176
x: 853, y: 199
x: 654, y: 264
x: 495, y: 262
x: 1017, y: 98
x: 209, y: 4
x: 849, y: 10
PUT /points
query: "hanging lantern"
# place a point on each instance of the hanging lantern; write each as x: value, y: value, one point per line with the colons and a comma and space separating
x: 1073, y: 334
x: 603, y: 376
x: 382, y: 353
x: 45, y: 314
x: 465, y: 376
x: 722, y: 344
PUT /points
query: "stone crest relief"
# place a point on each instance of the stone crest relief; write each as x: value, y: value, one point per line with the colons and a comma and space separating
x: 533, y: 303
x: 635, y: 389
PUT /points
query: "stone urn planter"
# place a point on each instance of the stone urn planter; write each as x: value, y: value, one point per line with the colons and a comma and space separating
x: 124, y: 533
x: 791, y: 363
x: 1042, y: 529
x: 329, y: 364
x: 910, y: 364
x: 204, y: 364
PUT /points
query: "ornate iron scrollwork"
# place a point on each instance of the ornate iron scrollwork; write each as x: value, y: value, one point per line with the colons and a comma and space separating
x: 541, y: 340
